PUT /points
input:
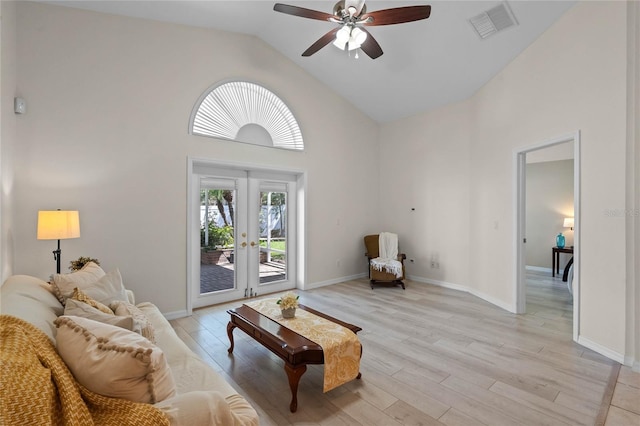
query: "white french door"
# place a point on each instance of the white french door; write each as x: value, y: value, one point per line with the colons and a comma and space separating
x: 247, y: 234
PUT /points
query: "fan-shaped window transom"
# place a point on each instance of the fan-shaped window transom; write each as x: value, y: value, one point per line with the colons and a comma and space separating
x: 246, y: 112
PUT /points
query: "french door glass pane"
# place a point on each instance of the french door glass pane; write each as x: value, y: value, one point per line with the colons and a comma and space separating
x: 217, y: 267
x: 273, y: 236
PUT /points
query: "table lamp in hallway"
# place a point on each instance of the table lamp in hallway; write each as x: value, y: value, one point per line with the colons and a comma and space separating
x: 58, y: 225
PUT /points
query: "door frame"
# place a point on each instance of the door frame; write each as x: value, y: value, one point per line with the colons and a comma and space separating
x: 193, y: 216
x: 519, y: 161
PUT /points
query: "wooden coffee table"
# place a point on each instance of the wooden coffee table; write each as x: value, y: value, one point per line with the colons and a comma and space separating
x: 295, y: 350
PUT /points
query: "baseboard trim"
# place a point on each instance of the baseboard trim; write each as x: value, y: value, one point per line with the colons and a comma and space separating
x: 590, y: 344
x: 175, y: 314
x: 629, y: 361
x: 311, y: 286
x: 538, y: 269
x: 497, y: 302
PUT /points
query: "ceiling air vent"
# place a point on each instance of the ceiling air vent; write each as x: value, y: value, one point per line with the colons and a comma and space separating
x: 493, y: 20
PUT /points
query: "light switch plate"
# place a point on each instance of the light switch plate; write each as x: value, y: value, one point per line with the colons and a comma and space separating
x: 19, y: 106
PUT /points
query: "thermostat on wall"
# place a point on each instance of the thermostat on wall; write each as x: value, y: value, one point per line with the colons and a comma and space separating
x: 19, y: 106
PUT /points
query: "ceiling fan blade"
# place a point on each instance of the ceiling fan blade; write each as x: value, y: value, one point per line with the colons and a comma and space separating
x: 397, y: 15
x: 302, y: 12
x: 371, y: 46
x: 322, y: 42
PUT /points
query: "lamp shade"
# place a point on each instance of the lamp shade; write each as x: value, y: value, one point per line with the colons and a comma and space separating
x: 58, y: 224
x: 568, y: 222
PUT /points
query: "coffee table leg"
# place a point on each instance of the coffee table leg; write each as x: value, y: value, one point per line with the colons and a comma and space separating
x: 294, y: 374
x: 230, y: 328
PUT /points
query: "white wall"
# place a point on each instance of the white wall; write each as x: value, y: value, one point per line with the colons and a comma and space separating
x: 106, y: 133
x: 549, y: 196
x: 572, y: 78
x: 563, y: 151
x: 426, y: 168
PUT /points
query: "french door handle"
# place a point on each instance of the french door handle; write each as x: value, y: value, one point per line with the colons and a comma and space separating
x: 244, y: 244
x: 253, y: 243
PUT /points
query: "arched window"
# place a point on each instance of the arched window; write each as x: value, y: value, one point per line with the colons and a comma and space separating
x: 246, y: 112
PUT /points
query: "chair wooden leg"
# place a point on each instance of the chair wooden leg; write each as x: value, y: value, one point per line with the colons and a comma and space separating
x: 394, y: 282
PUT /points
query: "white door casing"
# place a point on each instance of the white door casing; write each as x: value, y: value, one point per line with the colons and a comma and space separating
x: 247, y: 181
x: 519, y: 161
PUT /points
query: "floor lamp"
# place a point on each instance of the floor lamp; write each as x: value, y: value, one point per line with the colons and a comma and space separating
x: 58, y: 225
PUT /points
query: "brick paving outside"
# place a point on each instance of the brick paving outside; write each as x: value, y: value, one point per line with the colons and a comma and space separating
x: 220, y: 277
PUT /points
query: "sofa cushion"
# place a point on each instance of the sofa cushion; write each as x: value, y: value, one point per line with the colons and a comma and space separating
x: 141, y: 323
x: 114, y: 362
x: 80, y: 309
x: 32, y: 300
x: 198, y: 408
x: 63, y: 284
x: 193, y: 375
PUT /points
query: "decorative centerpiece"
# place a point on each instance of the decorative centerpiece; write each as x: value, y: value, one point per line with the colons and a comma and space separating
x: 288, y: 303
x: 77, y: 264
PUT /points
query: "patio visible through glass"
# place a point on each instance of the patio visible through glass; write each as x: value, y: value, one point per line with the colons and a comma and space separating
x: 217, y: 237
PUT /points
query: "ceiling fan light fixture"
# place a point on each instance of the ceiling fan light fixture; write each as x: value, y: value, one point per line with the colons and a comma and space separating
x: 340, y: 44
x: 343, y: 34
x: 357, y: 36
x: 350, y: 14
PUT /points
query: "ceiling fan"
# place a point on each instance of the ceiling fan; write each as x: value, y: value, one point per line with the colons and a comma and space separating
x: 352, y: 16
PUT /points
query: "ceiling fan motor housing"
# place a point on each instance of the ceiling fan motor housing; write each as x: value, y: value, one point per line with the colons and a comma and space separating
x: 340, y: 10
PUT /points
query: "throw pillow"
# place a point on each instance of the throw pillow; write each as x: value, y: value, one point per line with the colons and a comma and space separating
x: 114, y: 362
x: 63, y: 284
x: 107, y: 289
x: 81, y: 309
x: 82, y: 297
x: 141, y: 323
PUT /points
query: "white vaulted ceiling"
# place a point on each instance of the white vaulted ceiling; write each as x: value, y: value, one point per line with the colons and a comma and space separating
x: 425, y: 64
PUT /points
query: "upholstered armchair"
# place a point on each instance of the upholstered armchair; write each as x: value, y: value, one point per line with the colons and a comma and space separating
x: 377, y: 274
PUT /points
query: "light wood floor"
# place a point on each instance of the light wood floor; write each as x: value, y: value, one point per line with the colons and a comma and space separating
x: 431, y: 356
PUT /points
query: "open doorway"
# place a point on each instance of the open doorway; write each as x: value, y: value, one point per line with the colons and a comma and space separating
x: 548, y: 181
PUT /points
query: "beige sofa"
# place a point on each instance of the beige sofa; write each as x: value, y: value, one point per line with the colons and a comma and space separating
x: 202, y: 396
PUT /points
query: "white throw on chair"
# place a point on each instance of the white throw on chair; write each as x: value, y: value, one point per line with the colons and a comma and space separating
x: 385, y: 264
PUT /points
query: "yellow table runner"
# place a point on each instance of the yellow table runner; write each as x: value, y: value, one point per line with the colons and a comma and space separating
x: 340, y: 345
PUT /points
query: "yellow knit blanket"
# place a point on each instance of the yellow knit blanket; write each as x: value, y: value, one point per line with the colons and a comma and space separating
x: 37, y: 388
